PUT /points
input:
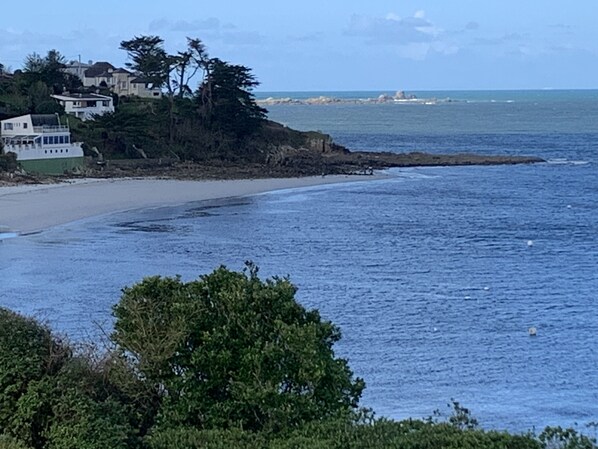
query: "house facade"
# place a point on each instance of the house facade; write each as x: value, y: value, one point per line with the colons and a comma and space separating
x: 85, y: 106
x: 141, y: 87
x: 120, y: 81
x: 41, y: 143
x: 77, y: 69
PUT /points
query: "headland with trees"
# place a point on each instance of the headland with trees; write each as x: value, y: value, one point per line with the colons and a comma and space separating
x: 206, y: 123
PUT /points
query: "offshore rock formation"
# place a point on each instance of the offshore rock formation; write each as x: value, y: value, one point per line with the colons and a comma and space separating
x: 399, y: 97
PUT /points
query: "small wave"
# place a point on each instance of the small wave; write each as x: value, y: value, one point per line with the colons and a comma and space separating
x: 7, y: 235
x: 410, y: 173
x: 563, y: 161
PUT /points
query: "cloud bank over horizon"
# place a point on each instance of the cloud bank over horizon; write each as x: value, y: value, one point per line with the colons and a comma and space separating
x: 340, y: 45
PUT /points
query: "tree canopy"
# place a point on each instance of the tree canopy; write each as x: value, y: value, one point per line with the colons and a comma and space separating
x: 231, y: 350
x: 49, y: 70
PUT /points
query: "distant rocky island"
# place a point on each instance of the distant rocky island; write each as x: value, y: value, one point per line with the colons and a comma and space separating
x: 400, y: 97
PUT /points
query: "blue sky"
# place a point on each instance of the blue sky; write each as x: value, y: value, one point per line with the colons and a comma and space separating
x: 335, y: 44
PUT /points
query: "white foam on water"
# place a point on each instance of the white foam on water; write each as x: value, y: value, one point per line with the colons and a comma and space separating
x: 563, y: 161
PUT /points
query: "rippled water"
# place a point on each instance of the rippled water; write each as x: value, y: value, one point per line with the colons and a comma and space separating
x: 434, y: 275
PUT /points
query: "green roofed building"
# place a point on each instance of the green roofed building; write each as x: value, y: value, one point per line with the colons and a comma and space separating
x: 41, y: 143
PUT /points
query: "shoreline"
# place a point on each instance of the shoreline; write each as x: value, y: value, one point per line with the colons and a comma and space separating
x: 27, y: 209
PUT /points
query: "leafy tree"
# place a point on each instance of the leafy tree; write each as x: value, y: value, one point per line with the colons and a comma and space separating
x: 50, y: 397
x: 226, y: 100
x: 28, y: 352
x: 40, y: 101
x: 231, y: 350
x: 49, y: 70
x: 163, y: 70
x: 169, y: 71
x: 149, y: 59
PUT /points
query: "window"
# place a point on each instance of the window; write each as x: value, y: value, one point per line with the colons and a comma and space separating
x: 24, y: 125
x: 105, y: 103
x: 67, y: 139
x: 67, y: 150
x: 7, y: 126
x: 45, y: 140
x: 61, y: 139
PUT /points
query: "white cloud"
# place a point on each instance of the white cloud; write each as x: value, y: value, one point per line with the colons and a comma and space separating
x: 210, y: 24
x: 391, y: 29
x: 87, y: 43
x: 412, y: 37
x: 211, y: 28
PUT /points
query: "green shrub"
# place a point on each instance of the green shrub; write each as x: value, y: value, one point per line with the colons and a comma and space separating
x: 233, y: 351
x: 7, y: 442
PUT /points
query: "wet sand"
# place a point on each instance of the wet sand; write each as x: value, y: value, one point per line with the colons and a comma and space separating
x: 32, y: 208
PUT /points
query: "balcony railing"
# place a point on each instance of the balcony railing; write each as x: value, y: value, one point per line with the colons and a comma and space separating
x: 50, y: 129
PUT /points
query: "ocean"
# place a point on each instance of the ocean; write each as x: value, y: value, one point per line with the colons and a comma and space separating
x: 434, y: 275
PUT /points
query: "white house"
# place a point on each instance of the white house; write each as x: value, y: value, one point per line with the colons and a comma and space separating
x: 77, y: 68
x: 141, y: 87
x: 41, y: 143
x: 85, y: 106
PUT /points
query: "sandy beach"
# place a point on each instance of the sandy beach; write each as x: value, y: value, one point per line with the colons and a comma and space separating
x: 32, y: 208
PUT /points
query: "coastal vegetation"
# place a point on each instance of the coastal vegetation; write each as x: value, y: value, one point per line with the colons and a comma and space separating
x: 226, y: 361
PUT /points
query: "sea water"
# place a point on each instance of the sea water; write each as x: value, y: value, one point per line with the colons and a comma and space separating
x: 434, y: 275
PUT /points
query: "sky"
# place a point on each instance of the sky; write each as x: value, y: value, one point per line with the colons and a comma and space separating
x: 334, y: 45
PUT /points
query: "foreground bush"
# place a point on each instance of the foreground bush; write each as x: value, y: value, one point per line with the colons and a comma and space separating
x: 231, y: 350
x: 51, y: 398
x: 340, y: 434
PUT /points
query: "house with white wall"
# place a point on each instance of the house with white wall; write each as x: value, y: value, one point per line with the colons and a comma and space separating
x: 41, y: 143
x: 77, y: 68
x: 143, y: 88
x: 85, y: 106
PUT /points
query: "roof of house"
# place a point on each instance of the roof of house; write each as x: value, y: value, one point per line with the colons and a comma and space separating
x: 121, y: 70
x: 44, y: 120
x: 98, y: 68
x: 77, y: 65
x: 105, y: 74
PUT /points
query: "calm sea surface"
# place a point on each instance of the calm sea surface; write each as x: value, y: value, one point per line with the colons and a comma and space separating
x: 434, y: 274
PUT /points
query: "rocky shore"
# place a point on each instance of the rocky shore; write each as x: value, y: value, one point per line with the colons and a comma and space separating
x: 285, y: 153
x: 287, y: 163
